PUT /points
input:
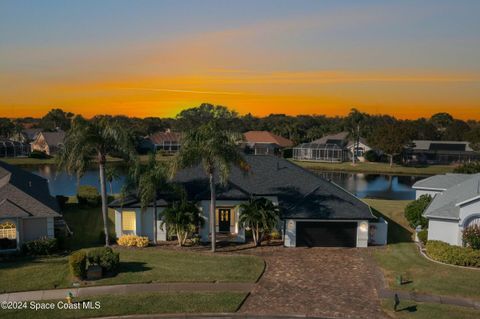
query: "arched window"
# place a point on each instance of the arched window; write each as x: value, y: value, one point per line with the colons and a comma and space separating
x: 8, y: 230
x: 474, y: 221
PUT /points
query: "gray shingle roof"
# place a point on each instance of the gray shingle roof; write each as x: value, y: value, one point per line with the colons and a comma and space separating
x: 301, y: 193
x: 441, y: 182
x: 426, y: 145
x: 54, y: 138
x: 444, y: 205
x: 22, y: 192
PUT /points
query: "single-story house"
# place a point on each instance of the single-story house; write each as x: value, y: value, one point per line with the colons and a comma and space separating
x: 314, y: 211
x: 27, y: 210
x: 440, y: 152
x: 265, y: 143
x: 167, y: 141
x: 48, y: 142
x: 331, y: 148
x: 455, y: 205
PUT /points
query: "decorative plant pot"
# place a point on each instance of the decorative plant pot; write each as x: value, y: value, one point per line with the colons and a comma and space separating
x: 94, y: 272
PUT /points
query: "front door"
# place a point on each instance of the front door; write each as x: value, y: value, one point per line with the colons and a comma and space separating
x: 224, y: 220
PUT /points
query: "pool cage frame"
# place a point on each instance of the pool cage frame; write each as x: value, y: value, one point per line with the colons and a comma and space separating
x: 9, y: 148
x: 316, y: 152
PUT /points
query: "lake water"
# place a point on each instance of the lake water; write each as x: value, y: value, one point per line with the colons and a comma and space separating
x: 361, y: 184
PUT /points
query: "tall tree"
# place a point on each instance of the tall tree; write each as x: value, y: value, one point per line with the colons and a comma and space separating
x: 56, y: 119
x: 89, y: 142
x: 111, y: 174
x: 354, y: 121
x: 216, y: 150
x: 7, y: 127
x: 390, y: 138
x: 474, y: 137
x: 190, y: 119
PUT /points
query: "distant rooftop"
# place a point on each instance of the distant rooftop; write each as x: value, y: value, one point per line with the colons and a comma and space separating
x: 441, y: 182
x: 428, y: 145
x: 267, y: 137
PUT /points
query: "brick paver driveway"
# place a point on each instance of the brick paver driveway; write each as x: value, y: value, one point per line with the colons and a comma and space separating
x: 330, y: 282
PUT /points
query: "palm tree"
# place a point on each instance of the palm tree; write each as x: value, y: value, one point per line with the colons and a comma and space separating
x: 354, y: 121
x: 111, y: 174
x: 261, y: 215
x: 216, y: 150
x: 148, y: 180
x: 92, y: 141
x: 183, y: 218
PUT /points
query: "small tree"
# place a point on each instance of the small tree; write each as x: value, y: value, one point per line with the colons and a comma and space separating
x: 389, y: 138
x: 111, y: 174
x: 414, y: 211
x: 183, y: 218
x: 261, y: 215
x: 471, y: 236
x: 468, y: 168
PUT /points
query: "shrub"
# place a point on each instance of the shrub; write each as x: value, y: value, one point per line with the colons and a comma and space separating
x: 423, y: 236
x: 133, y: 241
x: 275, y: 235
x: 471, y: 236
x: 42, y: 246
x: 111, y: 237
x: 371, y: 156
x: 414, y: 211
x: 468, y: 168
x: 77, y: 263
x: 88, y: 196
x: 104, y: 257
x: 6, y: 243
x: 39, y: 155
x: 455, y: 255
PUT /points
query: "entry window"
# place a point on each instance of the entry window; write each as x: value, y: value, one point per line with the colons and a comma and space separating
x: 128, y: 221
x: 8, y: 230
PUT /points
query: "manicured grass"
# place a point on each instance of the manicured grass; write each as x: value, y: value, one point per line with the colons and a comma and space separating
x: 137, y: 266
x: 28, y: 160
x: 144, y: 303
x: 413, y: 310
x: 379, y: 168
x: 401, y: 256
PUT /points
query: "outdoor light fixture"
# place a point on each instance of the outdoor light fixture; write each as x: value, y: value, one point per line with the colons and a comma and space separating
x: 364, y: 226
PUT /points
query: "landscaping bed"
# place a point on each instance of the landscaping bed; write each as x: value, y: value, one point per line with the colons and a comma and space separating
x: 401, y: 257
x: 141, y: 303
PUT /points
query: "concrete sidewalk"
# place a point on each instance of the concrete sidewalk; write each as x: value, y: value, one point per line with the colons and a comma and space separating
x: 54, y: 294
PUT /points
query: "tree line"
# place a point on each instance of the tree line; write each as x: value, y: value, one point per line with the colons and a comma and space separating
x: 299, y: 128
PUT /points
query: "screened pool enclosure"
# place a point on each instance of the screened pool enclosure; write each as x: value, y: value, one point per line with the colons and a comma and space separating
x: 10, y: 148
x: 320, y: 153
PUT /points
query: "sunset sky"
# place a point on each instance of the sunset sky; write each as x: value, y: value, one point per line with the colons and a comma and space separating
x: 155, y: 58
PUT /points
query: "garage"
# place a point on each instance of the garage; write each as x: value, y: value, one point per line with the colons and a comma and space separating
x: 326, y: 234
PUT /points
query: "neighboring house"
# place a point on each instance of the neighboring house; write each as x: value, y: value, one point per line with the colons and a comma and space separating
x: 440, y: 152
x: 455, y: 205
x: 27, y: 210
x: 11, y: 148
x: 48, y: 142
x: 167, y: 141
x: 331, y: 148
x: 314, y: 211
x: 265, y: 143
x: 27, y: 135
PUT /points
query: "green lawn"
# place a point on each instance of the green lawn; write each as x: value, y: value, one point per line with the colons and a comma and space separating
x: 414, y: 310
x: 144, y: 303
x: 137, y: 266
x: 382, y: 168
x: 401, y: 256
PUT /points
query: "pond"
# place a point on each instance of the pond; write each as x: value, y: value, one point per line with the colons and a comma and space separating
x: 361, y: 184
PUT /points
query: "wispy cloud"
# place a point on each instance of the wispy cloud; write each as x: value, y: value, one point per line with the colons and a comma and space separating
x: 187, y: 91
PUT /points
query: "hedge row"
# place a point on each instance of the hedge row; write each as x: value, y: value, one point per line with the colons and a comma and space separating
x: 104, y: 257
x: 455, y: 255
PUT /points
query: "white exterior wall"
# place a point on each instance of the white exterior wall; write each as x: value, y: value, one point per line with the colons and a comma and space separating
x: 235, y: 229
x: 444, y: 230
x: 143, y: 223
x: 468, y: 211
x: 50, y: 228
x: 291, y: 225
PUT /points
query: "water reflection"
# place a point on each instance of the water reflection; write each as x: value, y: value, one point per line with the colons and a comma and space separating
x: 374, y: 185
x: 361, y: 184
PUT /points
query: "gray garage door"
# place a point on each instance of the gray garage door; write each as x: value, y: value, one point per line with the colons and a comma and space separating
x: 326, y: 234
